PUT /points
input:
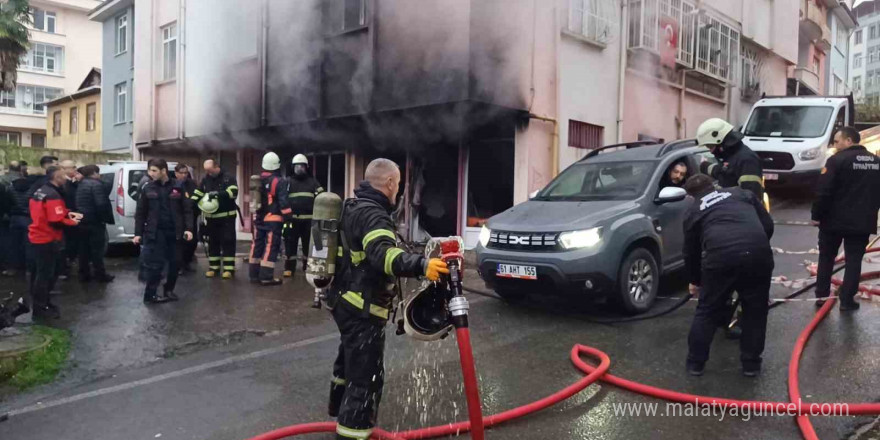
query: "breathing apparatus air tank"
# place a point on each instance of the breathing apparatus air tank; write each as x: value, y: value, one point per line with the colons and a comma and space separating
x: 255, y: 187
x: 326, y: 221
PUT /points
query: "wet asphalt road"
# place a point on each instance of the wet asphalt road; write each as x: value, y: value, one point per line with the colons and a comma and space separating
x: 230, y: 361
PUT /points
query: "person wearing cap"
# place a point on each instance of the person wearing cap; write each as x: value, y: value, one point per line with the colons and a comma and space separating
x: 268, y: 222
x: 302, y: 190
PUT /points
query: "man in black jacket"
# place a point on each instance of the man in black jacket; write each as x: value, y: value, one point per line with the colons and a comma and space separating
x: 19, y: 219
x: 302, y: 190
x: 846, y: 211
x: 71, y: 234
x: 727, y: 247
x: 220, y: 224
x: 187, y: 249
x: 371, y: 261
x: 162, y: 218
x: 93, y: 202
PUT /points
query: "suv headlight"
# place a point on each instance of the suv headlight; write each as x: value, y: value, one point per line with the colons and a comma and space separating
x: 485, y: 233
x: 581, y: 239
x: 810, y: 154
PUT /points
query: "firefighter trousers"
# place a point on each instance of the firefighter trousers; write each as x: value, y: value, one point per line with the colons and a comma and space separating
x: 221, y: 244
x: 854, y: 251
x: 751, y: 280
x: 358, y: 373
x: 156, y: 253
x: 297, y: 231
x: 264, y: 251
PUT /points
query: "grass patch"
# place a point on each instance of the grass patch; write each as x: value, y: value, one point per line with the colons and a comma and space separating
x: 41, y: 366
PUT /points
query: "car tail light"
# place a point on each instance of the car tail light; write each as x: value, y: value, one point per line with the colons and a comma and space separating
x: 120, y: 194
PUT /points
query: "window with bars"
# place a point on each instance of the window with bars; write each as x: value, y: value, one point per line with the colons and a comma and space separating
x: 592, y: 19
x: 584, y: 135
x: 717, y: 49
x: 645, y: 32
x: 750, y: 81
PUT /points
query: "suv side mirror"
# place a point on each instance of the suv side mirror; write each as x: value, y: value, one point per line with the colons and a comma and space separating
x: 671, y: 194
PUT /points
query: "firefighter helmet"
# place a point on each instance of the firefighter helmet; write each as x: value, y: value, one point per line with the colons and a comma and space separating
x: 712, y: 132
x: 300, y: 159
x: 271, y: 162
x: 426, y: 315
x: 208, y: 204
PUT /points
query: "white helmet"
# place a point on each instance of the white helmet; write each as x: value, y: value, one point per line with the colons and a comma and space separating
x: 271, y: 162
x: 713, y: 131
x: 300, y: 159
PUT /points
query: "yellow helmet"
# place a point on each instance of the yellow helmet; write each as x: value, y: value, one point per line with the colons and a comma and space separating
x: 713, y: 131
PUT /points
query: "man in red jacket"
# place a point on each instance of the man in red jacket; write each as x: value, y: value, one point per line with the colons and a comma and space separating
x: 49, y: 216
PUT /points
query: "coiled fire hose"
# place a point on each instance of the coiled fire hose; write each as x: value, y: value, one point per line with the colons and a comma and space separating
x: 600, y: 372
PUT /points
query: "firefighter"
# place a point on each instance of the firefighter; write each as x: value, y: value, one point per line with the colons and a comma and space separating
x: 220, y: 187
x: 268, y: 222
x: 163, y: 217
x: 846, y: 211
x: 303, y: 188
x: 738, y: 166
x: 727, y: 247
x: 186, y: 250
x: 362, y: 297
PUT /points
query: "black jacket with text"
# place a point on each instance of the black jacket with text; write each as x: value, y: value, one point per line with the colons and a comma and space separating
x: 849, y: 193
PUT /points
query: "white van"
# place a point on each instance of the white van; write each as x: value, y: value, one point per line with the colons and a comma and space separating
x: 124, y: 179
x: 793, y: 135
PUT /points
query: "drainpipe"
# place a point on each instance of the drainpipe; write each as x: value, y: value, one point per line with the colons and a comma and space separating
x: 152, y: 83
x: 181, y: 82
x: 264, y: 50
x: 554, y: 168
x: 624, y: 23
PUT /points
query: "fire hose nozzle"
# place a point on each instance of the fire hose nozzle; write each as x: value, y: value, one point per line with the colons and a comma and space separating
x: 458, y: 306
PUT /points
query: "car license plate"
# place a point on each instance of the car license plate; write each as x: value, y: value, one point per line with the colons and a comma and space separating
x: 771, y: 176
x: 517, y: 272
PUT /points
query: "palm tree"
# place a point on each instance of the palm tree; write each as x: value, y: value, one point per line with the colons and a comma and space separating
x: 14, y: 14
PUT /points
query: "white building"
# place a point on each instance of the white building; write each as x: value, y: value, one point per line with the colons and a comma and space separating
x: 864, y: 59
x: 842, y: 23
x: 65, y: 46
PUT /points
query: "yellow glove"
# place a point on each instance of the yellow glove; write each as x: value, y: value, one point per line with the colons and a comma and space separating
x: 434, y: 268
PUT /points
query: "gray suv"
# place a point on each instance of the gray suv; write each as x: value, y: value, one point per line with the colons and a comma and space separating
x: 609, y: 225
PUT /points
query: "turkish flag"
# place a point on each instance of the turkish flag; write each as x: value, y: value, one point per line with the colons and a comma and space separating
x: 668, y: 41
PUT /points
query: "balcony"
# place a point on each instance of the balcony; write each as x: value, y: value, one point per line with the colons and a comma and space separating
x: 812, y: 24
x: 808, y: 78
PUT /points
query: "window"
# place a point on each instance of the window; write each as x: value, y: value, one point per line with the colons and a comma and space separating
x: 857, y: 83
x: 591, y: 181
x: 751, y: 64
x: 583, y: 135
x: 841, y: 38
x: 169, y: 52
x: 91, y: 116
x: 121, y: 33
x: 43, y: 20
x: 717, y: 48
x: 857, y: 60
x: 10, y: 137
x: 872, y: 32
x: 28, y: 100
x: 869, y: 81
x: 858, y: 39
x: 789, y: 121
x: 644, y: 31
x: 591, y: 19
x: 838, y: 86
x: 74, y: 120
x: 121, y: 103
x: 816, y: 65
x: 354, y: 14
x: 43, y: 58
x: 38, y: 140
x: 56, y: 124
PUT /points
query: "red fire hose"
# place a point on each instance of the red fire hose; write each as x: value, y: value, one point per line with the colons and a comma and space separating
x: 871, y: 290
x: 594, y: 373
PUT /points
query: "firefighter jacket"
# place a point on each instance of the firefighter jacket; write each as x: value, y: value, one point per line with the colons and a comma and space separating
x: 48, y: 215
x: 226, y: 189
x: 158, y: 203
x: 739, y: 166
x: 371, y: 259
x: 273, y: 209
x: 725, y: 228
x: 302, y: 191
x: 849, y: 193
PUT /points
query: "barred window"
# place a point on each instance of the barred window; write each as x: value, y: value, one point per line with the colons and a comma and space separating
x: 717, y: 49
x: 646, y: 17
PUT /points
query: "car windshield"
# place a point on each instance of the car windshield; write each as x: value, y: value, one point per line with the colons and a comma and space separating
x: 599, y: 181
x: 789, y: 121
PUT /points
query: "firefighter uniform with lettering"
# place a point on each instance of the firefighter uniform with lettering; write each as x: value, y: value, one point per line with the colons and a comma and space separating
x: 216, y: 197
x: 846, y: 211
x: 362, y: 296
x: 727, y: 247
x: 303, y: 188
x: 268, y: 223
x: 739, y: 165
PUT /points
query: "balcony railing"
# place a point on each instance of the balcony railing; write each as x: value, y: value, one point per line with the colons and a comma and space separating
x: 808, y: 78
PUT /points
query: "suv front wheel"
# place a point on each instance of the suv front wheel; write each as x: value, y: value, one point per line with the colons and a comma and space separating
x: 637, y: 281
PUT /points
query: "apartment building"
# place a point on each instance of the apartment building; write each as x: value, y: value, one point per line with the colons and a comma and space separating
x: 865, y: 58
x: 116, y: 18
x: 65, y: 47
x: 842, y: 23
